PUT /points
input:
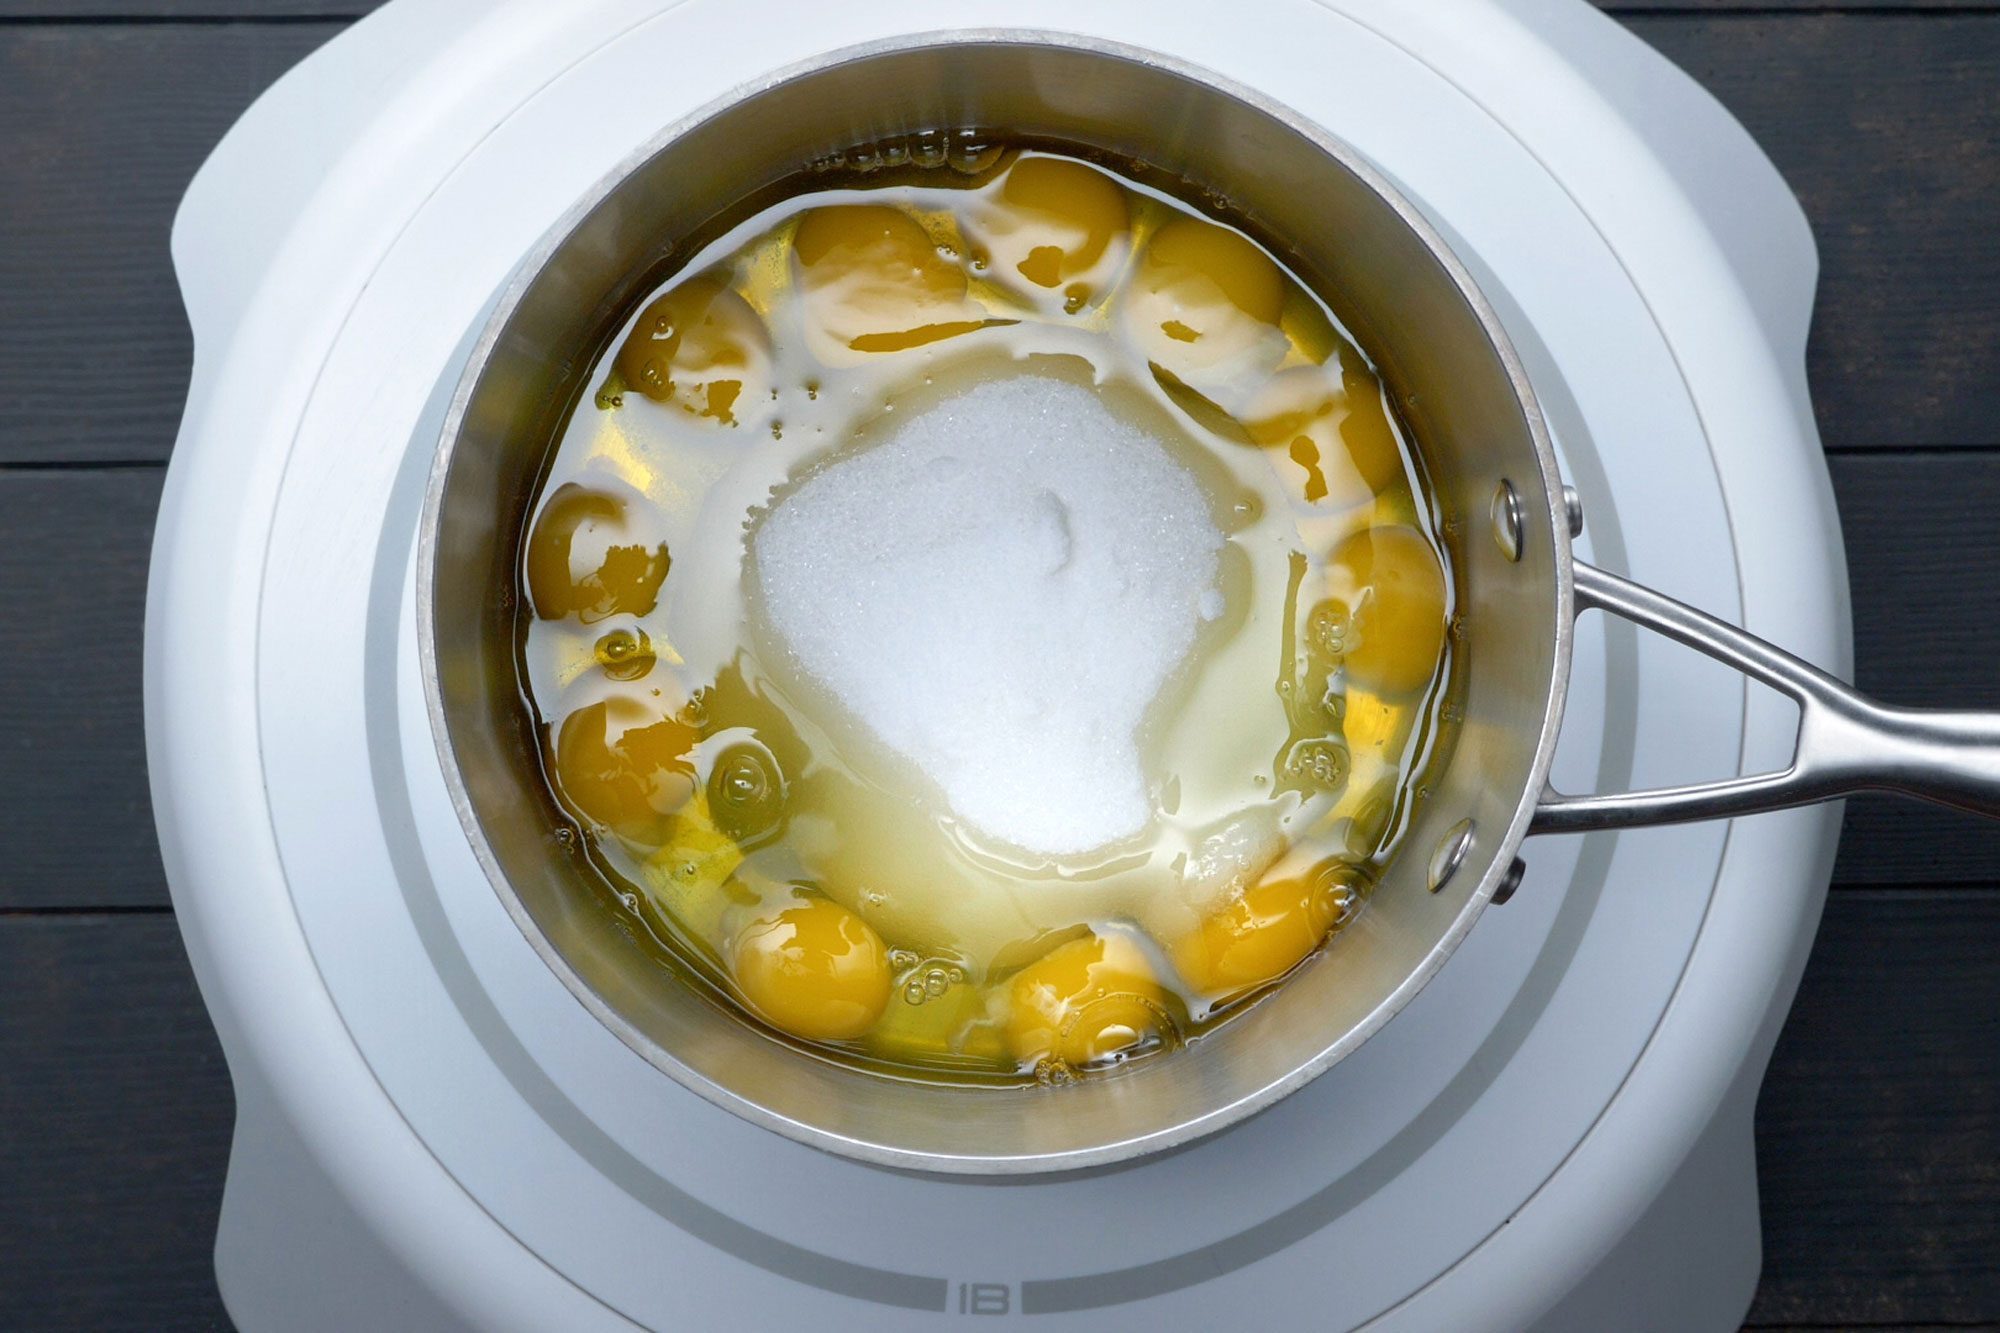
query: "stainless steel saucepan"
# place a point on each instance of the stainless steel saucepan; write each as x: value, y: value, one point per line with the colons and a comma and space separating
x: 1443, y: 355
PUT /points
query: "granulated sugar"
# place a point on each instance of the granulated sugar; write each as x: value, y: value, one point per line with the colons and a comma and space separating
x: 998, y: 591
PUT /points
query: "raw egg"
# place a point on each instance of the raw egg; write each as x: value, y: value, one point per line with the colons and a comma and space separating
x: 1391, y: 586
x: 1084, y: 1002
x: 584, y: 559
x: 783, y: 748
x: 688, y: 877
x: 1266, y: 931
x: 1204, y: 306
x: 1299, y: 411
x: 815, y: 970
x: 622, y: 764
x: 701, y: 346
x: 1058, y: 224
x: 1331, y: 423
x: 873, y: 281
x: 1365, y: 430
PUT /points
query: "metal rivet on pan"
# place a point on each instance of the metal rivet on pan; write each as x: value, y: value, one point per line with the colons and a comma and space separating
x: 1507, y: 520
x: 1573, y: 508
x: 1509, y: 881
x: 1450, y: 853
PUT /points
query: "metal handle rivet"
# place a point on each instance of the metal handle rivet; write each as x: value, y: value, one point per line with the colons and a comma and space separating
x: 1509, y: 881
x: 1573, y: 510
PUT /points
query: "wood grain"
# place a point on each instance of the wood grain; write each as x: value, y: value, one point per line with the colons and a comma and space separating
x: 1901, y: 175
x: 72, y: 608
x: 1879, y: 1124
x: 116, y: 1110
x: 1922, y: 532
x: 1888, y: 128
x: 103, y: 127
x: 1923, y: 543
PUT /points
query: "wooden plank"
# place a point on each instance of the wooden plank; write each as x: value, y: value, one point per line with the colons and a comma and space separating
x: 1868, y: 1328
x: 1888, y: 128
x: 1922, y: 532
x: 73, y: 768
x: 104, y: 126
x: 1886, y: 841
x: 117, y: 1112
x: 1900, y: 174
x: 1922, y: 544
x: 1879, y: 1125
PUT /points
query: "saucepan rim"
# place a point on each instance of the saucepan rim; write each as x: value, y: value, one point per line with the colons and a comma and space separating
x: 1495, y: 848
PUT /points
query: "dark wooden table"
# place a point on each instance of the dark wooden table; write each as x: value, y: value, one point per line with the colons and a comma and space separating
x: 1879, y: 1127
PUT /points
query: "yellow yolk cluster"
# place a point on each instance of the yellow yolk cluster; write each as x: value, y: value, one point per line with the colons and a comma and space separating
x: 732, y: 825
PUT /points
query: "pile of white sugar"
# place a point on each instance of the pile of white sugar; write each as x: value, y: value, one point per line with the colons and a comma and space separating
x: 998, y: 591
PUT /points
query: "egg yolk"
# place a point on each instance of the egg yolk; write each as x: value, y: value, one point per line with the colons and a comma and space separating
x: 1391, y: 586
x: 1365, y: 430
x: 581, y: 559
x: 621, y: 764
x: 1335, y: 429
x: 815, y: 970
x: 701, y: 346
x: 873, y: 281
x: 1084, y: 1002
x: 1298, y: 410
x: 1057, y: 222
x: 1204, y: 304
x: 1266, y: 931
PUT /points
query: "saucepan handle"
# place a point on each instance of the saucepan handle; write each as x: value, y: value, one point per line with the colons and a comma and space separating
x: 1847, y: 741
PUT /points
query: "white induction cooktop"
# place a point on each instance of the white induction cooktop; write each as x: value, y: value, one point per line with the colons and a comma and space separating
x: 433, y: 1133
